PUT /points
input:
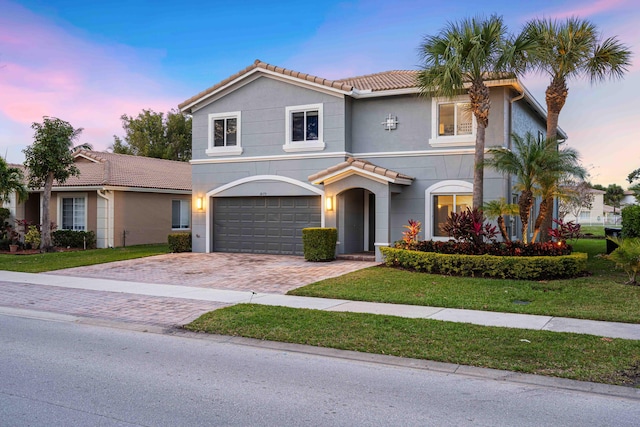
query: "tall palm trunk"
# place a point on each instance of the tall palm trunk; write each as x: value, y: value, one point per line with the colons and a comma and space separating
x: 480, y: 105
x: 45, y: 244
x: 525, y: 202
x: 556, y: 96
x: 503, y: 228
x: 542, y: 216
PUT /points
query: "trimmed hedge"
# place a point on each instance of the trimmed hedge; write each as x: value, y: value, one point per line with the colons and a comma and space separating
x: 73, y: 239
x: 179, y: 242
x: 501, y: 267
x: 319, y: 244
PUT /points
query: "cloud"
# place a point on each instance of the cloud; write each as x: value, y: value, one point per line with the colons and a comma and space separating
x: 586, y: 9
x: 56, y: 70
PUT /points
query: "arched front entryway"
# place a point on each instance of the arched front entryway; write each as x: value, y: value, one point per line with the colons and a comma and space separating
x: 362, y: 193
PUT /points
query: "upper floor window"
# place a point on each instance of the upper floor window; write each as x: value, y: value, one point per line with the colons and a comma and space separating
x: 224, y: 134
x: 452, y: 122
x: 303, y: 127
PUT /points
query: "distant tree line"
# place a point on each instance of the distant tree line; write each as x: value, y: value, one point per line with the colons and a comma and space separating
x: 153, y: 134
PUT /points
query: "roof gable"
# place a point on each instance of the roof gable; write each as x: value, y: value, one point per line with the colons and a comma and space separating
x: 265, y: 69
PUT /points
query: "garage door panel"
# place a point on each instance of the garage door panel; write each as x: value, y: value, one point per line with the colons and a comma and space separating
x: 270, y: 225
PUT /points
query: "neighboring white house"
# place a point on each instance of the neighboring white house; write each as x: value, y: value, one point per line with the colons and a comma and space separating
x: 597, y: 214
x: 629, y: 198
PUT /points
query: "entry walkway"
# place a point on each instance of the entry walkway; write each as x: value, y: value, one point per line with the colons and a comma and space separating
x: 215, y: 298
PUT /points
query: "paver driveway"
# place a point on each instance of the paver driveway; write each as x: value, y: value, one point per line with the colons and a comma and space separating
x: 247, y: 272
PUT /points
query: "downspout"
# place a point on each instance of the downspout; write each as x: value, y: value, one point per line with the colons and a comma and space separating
x: 109, y: 237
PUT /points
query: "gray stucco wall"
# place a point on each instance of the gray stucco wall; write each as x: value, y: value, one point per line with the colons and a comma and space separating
x: 354, y: 126
x: 262, y: 103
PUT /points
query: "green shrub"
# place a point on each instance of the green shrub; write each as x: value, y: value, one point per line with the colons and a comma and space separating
x: 631, y: 221
x: 503, y: 267
x: 4, y: 215
x: 627, y: 257
x: 319, y: 243
x: 74, y: 239
x: 179, y: 242
x: 32, y: 237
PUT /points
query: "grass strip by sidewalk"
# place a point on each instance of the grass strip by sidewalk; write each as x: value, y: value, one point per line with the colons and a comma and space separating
x: 38, y: 263
x: 566, y: 355
x: 600, y: 296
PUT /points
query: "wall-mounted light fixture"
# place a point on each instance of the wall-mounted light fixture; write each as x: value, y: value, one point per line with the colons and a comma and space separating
x: 328, y: 203
x: 199, y: 203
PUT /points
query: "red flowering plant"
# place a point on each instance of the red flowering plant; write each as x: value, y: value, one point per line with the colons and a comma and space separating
x: 470, y: 226
x: 565, y: 230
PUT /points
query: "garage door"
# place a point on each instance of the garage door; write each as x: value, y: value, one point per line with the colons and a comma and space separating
x: 270, y: 225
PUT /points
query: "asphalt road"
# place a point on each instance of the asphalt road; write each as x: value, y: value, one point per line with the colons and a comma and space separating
x: 59, y: 373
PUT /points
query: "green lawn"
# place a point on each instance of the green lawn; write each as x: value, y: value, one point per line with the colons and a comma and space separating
x: 39, y: 263
x: 600, y: 296
x: 575, y: 356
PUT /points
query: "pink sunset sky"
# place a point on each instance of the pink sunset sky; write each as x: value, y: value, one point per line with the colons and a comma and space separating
x: 89, y: 64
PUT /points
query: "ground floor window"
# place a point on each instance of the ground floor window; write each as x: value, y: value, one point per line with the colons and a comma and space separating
x: 73, y: 213
x: 444, y: 205
x: 180, y: 214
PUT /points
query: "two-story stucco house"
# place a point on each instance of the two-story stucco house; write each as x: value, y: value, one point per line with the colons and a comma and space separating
x: 275, y: 151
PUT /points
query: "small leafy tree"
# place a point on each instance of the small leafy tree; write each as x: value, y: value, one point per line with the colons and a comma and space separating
x: 50, y: 159
x: 469, y: 226
x: 574, y: 197
x: 627, y: 257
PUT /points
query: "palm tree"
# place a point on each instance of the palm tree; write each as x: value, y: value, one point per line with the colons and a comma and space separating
x: 11, y: 181
x: 461, y: 57
x: 497, y: 209
x: 560, y: 165
x: 526, y: 161
x: 568, y: 50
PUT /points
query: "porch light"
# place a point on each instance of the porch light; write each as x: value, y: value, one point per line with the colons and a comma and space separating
x: 328, y: 203
x: 199, y: 203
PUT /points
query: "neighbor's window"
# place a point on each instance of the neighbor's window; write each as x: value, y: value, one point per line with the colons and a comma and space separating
x: 180, y: 214
x: 304, y: 128
x: 73, y: 213
x: 224, y: 134
x: 444, y: 205
x: 455, y: 119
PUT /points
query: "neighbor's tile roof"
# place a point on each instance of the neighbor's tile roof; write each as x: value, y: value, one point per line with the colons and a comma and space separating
x: 386, y: 80
x: 121, y: 170
x: 358, y: 164
x: 284, y: 71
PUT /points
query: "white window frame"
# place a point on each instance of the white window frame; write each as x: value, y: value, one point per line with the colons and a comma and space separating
x: 224, y: 151
x: 60, y: 202
x: 452, y: 140
x: 182, y: 203
x: 442, y: 188
x: 315, y: 145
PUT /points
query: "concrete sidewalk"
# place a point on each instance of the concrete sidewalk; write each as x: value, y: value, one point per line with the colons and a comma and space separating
x: 228, y: 297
